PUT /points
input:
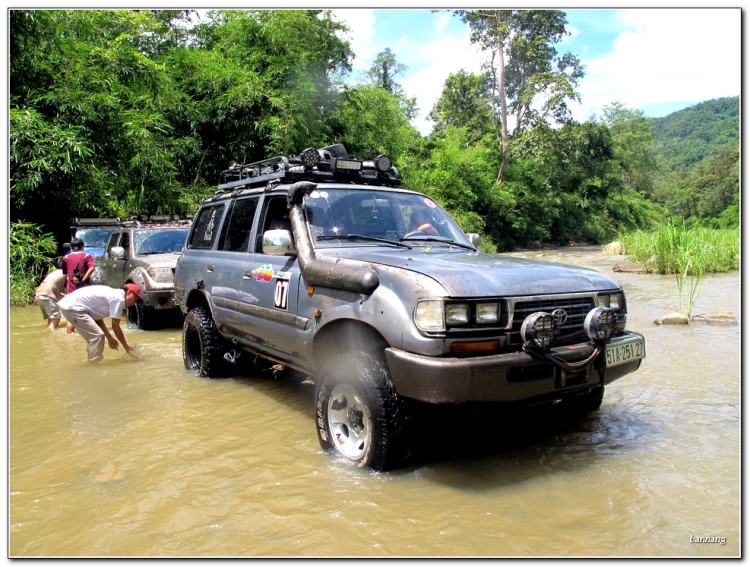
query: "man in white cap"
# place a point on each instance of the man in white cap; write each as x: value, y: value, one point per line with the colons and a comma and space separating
x: 87, y: 307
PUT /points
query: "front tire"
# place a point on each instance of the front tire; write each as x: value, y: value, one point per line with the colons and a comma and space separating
x: 588, y: 402
x: 203, y: 347
x: 359, y: 413
x: 141, y: 317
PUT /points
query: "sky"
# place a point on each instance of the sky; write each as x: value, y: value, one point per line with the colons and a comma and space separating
x: 655, y: 60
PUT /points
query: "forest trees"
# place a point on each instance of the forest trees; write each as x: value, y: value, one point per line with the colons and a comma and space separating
x: 534, y: 83
x: 116, y: 112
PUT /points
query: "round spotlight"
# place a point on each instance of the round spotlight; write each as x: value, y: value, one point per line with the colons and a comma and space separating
x: 310, y: 158
x: 539, y: 330
x: 600, y: 323
x: 383, y: 163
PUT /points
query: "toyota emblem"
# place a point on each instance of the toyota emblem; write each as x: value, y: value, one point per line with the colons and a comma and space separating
x: 560, y: 316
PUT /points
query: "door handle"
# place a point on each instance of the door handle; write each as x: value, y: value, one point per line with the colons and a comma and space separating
x: 210, y: 269
x: 247, y: 275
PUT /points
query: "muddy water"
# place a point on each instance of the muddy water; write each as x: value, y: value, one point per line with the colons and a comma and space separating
x: 138, y: 458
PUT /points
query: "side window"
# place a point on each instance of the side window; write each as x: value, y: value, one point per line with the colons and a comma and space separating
x: 276, y: 217
x: 112, y: 242
x: 206, y: 227
x: 235, y: 235
x: 125, y: 243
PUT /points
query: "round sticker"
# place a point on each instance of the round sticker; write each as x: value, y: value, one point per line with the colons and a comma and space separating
x: 430, y: 203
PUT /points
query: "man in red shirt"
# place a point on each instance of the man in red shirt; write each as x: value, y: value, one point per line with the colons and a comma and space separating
x: 80, y: 262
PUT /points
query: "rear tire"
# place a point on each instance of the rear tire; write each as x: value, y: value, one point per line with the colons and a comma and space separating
x: 203, y: 347
x: 359, y: 414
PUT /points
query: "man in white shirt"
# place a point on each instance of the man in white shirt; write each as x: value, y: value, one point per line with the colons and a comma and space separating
x: 87, y: 307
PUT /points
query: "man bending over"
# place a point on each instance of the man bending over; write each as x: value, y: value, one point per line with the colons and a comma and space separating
x: 87, y: 308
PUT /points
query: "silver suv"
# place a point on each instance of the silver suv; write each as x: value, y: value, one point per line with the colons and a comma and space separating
x: 321, y: 263
x: 146, y: 255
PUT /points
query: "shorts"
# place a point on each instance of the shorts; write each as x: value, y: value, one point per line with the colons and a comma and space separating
x: 48, y: 306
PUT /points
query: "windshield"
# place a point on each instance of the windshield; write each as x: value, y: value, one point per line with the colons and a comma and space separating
x: 380, y: 214
x: 95, y: 237
x: 158, y: 241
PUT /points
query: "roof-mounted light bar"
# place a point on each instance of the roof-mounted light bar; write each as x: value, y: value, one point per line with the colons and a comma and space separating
x: 345, y: 165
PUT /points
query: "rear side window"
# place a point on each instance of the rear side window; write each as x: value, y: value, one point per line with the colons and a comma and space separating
x: 125, y: 243
x: 235, y: 236
x: 206, y: 227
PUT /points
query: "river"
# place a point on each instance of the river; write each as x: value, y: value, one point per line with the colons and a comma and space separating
x: 135, y: 457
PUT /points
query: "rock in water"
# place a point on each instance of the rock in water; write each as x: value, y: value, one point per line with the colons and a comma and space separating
x: 613, y: 248
x: 715, y: 318
x: 673, y: 319
x: 632, y: 267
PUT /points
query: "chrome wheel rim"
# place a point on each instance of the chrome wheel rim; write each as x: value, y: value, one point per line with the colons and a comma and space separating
x: 348, y: 421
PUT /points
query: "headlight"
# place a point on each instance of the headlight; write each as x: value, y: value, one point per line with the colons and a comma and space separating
x: 429, y: 315
x: 600, y: 323
x: 613, y: 300
x: 539, y: 330
x: 457, y: 314
x: 488, y: 313
x: 161, y: 275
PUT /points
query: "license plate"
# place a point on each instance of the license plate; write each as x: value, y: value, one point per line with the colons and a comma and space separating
x: 625, y: 352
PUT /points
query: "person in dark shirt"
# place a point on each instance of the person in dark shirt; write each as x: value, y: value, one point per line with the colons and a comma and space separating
x: 77, y: 266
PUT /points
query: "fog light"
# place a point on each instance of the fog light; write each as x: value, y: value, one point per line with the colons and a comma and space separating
x: 539, y: 330
x: 600, y: 323
x: 310, y: 158
x: 383, y: 163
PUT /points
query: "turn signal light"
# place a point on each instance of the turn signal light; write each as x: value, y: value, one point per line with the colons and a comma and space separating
x: 475, y: 346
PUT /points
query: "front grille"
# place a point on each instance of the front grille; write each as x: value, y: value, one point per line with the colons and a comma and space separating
x: 571, y: 332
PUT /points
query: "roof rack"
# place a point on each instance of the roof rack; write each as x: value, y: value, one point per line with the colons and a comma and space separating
x: 95, y: 222
x: 330, y: 164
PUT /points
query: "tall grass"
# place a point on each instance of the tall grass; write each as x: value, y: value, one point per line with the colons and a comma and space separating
x: 31, y: 259
x: 673, y: 248
x: 676, y: 249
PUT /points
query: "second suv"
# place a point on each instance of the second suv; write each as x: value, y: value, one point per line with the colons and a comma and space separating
x: 146, y: 255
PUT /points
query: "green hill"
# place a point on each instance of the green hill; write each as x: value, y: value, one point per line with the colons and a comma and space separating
x: 687, y: 136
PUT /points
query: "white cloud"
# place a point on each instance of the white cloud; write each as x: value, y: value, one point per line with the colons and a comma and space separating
x: 446, y: 55
x: 442, y: 21
x: 667, y: 56
x: 402, y: 42
x: 361, y: 34
x: 573, y: 31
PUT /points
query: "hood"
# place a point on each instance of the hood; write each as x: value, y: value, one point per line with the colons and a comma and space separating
x: 166, y: 260
x: 474, y: 274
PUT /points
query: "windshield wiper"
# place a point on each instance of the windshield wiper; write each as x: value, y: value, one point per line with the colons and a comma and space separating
x: 441, y: 240
x: 361, y: 237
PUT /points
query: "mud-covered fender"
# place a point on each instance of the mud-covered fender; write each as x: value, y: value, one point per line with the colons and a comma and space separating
x: 139, y: 278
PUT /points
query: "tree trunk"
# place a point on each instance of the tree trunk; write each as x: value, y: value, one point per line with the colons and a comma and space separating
x: 501, y: 90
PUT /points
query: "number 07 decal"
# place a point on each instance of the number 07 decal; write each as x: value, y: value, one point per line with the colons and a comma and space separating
x: 281, y: 294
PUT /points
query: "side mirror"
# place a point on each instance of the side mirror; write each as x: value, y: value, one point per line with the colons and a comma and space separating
x: 277, y: 242
x: 475, y: 239
x: 117, y: 252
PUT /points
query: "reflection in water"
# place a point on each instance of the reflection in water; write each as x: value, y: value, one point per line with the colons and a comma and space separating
x: 137, y: 458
